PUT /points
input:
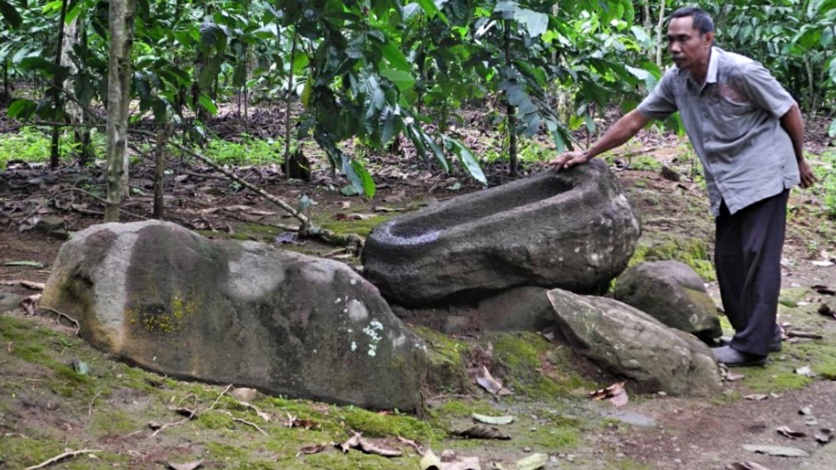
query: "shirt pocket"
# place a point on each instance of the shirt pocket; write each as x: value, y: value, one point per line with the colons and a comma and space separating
x: 731, y: 120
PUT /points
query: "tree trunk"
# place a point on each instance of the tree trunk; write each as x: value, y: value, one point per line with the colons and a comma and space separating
x: 159, y: 172
x: 659, y: 33
x: 288, y: 97
x: 121, y: 16
x: 510, y: 110
x: 55, y: 89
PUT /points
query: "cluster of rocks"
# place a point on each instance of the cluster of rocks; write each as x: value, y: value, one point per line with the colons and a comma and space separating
x: 529, y: 254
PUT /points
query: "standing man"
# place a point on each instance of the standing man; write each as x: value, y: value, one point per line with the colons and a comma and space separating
x: 748, y: 133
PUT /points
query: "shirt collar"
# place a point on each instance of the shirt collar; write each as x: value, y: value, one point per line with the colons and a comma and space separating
x: 713, y: 59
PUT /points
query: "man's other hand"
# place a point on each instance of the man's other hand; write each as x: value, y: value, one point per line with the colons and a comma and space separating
x: 808, y: 178
x: 569, y: 159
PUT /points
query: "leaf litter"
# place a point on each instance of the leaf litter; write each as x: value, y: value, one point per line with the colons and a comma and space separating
x: 616, y: 393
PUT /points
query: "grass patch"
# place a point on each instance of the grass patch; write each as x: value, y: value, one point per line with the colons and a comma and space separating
x: 446, y: 373
x: 534, y: 368
x: 32, y: 145
x: 245, y: 151
x: 692, y: 251
x: 360, y: 227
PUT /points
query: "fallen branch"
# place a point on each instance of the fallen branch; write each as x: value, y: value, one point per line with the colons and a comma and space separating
x: 223, y: 392
x: 174, y: 423
x: 90, y: 408
x: 26, y: 284
x: 64, y: 315
x: 287, y: 207
x: 63, y: 456
x: 250, y: 424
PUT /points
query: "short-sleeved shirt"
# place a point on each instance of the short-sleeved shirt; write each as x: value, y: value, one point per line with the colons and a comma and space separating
x: 733, y: 122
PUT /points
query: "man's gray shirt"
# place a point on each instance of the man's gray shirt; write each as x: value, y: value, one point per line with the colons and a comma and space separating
x: 733, y: 122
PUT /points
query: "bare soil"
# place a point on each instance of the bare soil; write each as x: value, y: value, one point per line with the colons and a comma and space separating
x: 654, y: 432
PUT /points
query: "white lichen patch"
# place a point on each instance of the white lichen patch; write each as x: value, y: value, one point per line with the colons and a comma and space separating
x: 356, y: 310
x: 373, y: 330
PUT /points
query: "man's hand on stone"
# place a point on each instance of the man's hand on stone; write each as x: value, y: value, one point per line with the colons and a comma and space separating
x: 569, y: 159
x: 808, y: 178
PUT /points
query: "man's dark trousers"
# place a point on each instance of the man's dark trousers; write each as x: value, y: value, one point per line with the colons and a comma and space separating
x: 747, y: 257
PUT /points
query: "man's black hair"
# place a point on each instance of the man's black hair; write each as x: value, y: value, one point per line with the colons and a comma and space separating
x: 702, y: 20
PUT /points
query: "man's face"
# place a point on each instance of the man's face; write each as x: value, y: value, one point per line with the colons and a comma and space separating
x: 685, y: 44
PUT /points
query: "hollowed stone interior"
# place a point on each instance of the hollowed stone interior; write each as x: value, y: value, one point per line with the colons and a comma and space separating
x: 466, y: 210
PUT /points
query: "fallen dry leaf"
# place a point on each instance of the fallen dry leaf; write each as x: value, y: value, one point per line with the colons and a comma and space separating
x: 824, y: 435
x: 376, y: 449
x: 824, y: 290
x: 482, y: 432
x: 776, y: 451
x: 493, y: 386
x: 787, y: 432
x: 615, y: 392
x: 756, y: 397
x: 430, y: 461
x: 295, y: 422
x: 745, y: 466
x: 805, y: 371
x: 532, y: 462
x: 186, y: 466
x: 492, y: 419
x: 312, y: 449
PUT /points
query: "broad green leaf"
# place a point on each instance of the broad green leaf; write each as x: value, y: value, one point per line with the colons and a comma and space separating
x: 535, y: 23
x: 468, y: 160
x: 403, y: 80
x: 10, y: 14
x: 359, y: 177
x: 432, y: 9
x: 207, y: 104
x: 299, y: 63
x: 436, y: 150
x: 392, y: 53
x: 22, y: 108
x: 641, y: 36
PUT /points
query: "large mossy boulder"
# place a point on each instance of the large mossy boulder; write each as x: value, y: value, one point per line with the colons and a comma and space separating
x: 573, y: 229
x: 674, y: 294
x: 629, y: 343
x: 234, y: 312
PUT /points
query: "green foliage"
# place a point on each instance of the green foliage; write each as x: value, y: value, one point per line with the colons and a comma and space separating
x: 794, y: 39
x: 694, y: 252
x: 247, y: 151
x: 31, y: 145
x: 826, y: 187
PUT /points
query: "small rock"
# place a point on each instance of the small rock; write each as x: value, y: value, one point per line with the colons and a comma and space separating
x: 244, y: 394
x: 526, y: 449
x: 9, y: 301
x: 455, y: 324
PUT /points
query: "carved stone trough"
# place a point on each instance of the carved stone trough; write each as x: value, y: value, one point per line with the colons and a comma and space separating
x: 574, y: 230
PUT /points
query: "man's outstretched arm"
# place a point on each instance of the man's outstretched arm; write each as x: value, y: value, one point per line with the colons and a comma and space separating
x: 623, y: 130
